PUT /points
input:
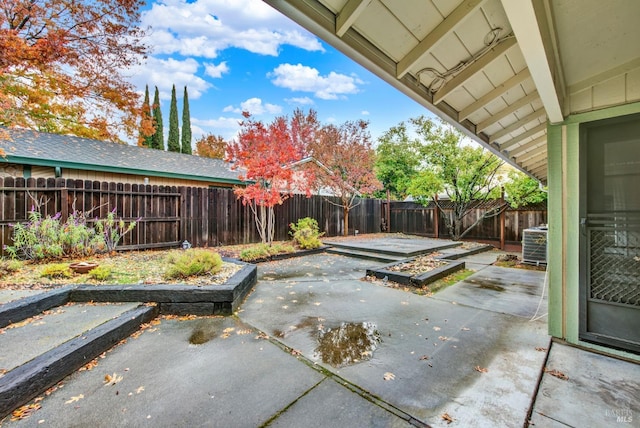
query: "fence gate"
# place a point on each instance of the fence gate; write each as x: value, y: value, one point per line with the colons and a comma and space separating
x: 610, y: 233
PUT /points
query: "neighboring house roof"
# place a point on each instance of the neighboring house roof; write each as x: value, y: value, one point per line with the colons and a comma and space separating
x: 24, y: 146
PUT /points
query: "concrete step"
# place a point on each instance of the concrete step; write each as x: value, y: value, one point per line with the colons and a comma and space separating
x: 380, y: 257
x: 25, y: 340
x: 39, y: 352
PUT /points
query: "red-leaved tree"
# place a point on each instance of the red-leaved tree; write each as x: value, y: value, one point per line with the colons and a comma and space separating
x: 264, y: 152
x: 347, y: 160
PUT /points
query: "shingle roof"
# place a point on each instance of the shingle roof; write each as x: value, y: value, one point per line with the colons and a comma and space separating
x: 38, y: 148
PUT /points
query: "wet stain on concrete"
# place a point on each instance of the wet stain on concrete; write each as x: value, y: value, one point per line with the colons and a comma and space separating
x: 488, y: 284
x: 202, y: 334
x: 347, y: 344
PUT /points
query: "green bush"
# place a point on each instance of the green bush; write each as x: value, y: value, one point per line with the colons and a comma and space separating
x: 56, y: 270
x: 8, y: 266
x: 50, y: 239
x: 192, y: 262
x: 100, y: 273
x: 263, y: 251
x: 306, y: 233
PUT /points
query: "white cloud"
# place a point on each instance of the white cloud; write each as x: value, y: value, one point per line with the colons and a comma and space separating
x: 255, y: 107
x: 365, y: 113
x: 164, y: 73
x: 203, y: 28
x: 307, y: 79
x: 227, y: 127
x: 216, y: 71
x: 299, y: 100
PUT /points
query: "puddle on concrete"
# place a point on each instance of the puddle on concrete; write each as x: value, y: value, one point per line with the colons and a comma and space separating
x: 202, y: 334
x: 488, y: 284
x: 347, y: 344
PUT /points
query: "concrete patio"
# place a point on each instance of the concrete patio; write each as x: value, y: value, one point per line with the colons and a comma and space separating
x: 472, y: 354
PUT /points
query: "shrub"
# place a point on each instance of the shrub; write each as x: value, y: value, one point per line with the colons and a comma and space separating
x: 8, y: 266
x: 49, y: 239
x: 263, y: 251
x: 306, y: 233
x: 100, y: 273
x: 192, y: 262
x: 57, y: 270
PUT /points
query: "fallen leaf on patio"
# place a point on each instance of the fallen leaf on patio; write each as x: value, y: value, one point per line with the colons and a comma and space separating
x: 295, y: 352
x: 74, y: 399
x: 389, y: 376
x: 481, y: 369
x: 140, y: 389
x: 424, y: 357
x: 243, y: 331
x: 443, y: 338
x: 112, y: 379
x: 228, y: 329
x: 262, y: 335
x: 448, y: 419
x: 541, y: 349
x: 465, y: 329
x: 90, y: 365
x: 436, y: 328
x: 556, y: 373
x: 24, y: 411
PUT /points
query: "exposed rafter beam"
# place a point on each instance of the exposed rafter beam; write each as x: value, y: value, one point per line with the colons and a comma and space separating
x: 507, y: 111
x: 532, y: 156
x: 523, y: 148
x: 524, y: 135
x: 540, y: 170
x: 518, y: 124
x: 535, y: 166
x: 493, y: 94
x: 444, y: 28
x: 522, y: 18
x: 473, y: 68
x: 348, y: 15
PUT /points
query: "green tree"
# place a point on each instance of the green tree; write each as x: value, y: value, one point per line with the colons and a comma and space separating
x: 173, y: 141
x: 146, y: 122
x: 186, y: 124
x: 466, y: 174
x: 397, y: 161
x: 158, y: 136
x: 522, y: 190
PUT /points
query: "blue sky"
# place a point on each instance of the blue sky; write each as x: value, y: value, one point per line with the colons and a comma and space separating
x: 236, y: 55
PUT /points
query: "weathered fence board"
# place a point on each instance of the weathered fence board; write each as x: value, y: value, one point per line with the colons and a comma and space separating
x: 168, y: 215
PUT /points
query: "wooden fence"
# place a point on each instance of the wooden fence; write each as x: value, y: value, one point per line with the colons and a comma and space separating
x: 417, y: 219
x: 168, y: 215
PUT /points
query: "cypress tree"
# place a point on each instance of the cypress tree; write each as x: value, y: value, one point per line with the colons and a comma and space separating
x: 146, y: 123
x: 173, y: 141
x: 186, y: 124
x: 158, y: 136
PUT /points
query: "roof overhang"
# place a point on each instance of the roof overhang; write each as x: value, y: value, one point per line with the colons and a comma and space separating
x: 498, y: 70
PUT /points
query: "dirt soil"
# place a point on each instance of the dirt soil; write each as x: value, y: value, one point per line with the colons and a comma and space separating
x: 419, y: 265
x: 134, y: 267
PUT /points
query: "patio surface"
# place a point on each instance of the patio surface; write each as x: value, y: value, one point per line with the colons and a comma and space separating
x: 471, y: 352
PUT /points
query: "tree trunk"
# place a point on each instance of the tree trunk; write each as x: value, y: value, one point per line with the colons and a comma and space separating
x: 346, y: 221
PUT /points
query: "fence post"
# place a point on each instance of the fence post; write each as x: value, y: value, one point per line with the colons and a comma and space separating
x: 183, y: 212
x: 436, y: 217
x: 502, y: 220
